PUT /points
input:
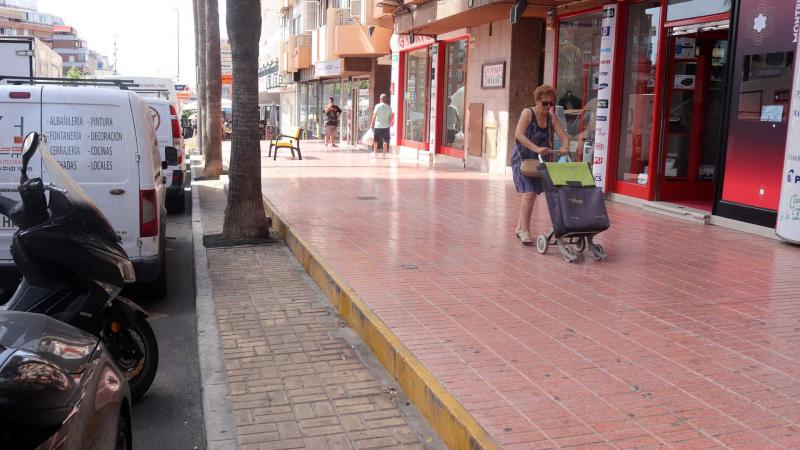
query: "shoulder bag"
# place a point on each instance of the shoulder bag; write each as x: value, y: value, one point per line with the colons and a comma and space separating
x: 530, y: 167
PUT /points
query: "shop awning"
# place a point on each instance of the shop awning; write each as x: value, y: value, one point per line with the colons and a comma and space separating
x: 443, y: 16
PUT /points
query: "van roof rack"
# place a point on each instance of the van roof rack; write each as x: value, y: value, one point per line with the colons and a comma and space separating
x: 158, y: 92
x: 121, y: 84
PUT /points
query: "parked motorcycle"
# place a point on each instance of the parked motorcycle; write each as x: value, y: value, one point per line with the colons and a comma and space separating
x: 59, y: 388
x: 74, y: 267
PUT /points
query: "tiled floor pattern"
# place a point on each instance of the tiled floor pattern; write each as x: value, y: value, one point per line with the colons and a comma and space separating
x: 686, y: 336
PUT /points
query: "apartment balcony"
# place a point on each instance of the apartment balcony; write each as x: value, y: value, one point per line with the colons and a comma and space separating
x: 383, y: 9
x: 300, y: 51
x: 355, y: 40
x: 283, y: 57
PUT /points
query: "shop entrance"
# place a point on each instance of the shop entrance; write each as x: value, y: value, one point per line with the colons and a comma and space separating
x: 692, y: 115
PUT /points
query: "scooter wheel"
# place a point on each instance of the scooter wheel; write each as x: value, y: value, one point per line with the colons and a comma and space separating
x: 140, y: 371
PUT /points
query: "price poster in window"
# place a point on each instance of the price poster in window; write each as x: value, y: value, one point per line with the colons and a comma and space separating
x: 604, y: 83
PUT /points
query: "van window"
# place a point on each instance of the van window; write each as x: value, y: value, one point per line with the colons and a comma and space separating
x: 93, y: 143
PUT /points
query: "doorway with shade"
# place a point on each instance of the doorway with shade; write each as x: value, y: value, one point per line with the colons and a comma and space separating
x: 692, y: 114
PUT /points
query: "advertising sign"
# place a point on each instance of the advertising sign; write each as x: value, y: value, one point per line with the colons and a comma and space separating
x: 434, y: 70
x: 788, y: 226
x: 493, y: 76
x: 604, y: 85
x: 328, y: 68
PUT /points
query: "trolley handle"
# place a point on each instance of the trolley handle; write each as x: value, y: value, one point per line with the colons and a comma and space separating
x: 542, y: 160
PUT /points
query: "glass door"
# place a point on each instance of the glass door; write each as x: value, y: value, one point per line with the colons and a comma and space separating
x: 346, y: 119
x: 415, y: 98
x: 364, y: 112
x: 692, y: 118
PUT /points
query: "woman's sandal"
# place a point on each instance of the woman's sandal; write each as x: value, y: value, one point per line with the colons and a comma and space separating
x: 525, y: 237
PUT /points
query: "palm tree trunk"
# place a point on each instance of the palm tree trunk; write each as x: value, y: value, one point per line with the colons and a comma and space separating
x: 200, y: 58
x: 197, y: 50
x: 213, y: 150
x: 244, y: 214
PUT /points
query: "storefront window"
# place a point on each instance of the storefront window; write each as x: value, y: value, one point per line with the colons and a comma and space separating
x: 762, y: 92
x: 687, y: 9
x: 314, y: 111
x: 415, y: 98
x: 455, y: 81
x: 577, y: 79
x: 361, y: 92
x: 331, y: 89
x: 639, y: 83
x: 302, y: 106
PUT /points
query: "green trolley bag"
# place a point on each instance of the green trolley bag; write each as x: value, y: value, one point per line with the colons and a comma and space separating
x: 577, y: 206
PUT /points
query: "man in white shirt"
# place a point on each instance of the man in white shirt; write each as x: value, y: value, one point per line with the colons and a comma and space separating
x: 382, y: 119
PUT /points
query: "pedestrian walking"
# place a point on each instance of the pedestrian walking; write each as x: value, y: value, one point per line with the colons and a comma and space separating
x: 332, y: 113
x: 382, y: 119
x: 534, y: 135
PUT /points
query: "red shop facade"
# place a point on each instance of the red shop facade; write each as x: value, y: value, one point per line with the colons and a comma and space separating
x: 697, y: 104
x: 431, y: 93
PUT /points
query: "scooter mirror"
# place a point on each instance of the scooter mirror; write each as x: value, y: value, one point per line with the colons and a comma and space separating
x: 29, y: 147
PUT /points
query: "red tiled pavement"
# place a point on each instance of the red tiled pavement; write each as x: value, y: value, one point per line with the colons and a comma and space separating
x: 686, y: 336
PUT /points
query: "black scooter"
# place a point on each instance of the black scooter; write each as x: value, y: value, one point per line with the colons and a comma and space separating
x: 73, y: 266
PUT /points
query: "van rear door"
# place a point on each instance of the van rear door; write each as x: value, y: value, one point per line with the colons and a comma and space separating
x: 91, y: 134
x: 20, y: 108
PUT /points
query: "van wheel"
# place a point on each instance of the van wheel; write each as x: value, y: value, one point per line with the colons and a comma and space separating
x: 158, y: 288
x: 176, y: 205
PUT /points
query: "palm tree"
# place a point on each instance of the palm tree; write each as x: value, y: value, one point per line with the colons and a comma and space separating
x: 213, y: 150
x: 244, y: 214
x: 200, y: 58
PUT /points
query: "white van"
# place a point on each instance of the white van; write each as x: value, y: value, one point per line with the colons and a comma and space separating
x: 104, y: 139
x: 168, y: 133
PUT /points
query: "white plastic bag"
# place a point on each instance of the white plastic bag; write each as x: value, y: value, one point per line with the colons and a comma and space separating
x: 459, y: 138
x: 368, y: 138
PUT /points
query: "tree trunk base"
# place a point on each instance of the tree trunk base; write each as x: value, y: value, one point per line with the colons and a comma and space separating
x: 219, y: 241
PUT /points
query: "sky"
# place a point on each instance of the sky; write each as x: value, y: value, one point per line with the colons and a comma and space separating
x: 145, y: 32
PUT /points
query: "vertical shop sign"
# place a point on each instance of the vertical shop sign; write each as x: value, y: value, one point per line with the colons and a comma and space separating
x: 788, y: 226
x: 604, y: 86
x: 432, y: 123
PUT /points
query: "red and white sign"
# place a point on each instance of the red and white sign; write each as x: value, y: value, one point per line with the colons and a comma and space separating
x: 404, y: 41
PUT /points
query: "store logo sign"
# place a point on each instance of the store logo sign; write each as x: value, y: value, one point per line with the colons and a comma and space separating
x: 599, y: 146
x: 597, y: 160
x: 605, y: 50
x: 761, y: 20
x: 602, y: 103
x: 792, y: 178
x: 605, y: 61
x: 796, y: 29
x: 602, y: 86
x: 609, y: 13
x: 602, y: 132
x: 606, y: 31
x: 601, y: 118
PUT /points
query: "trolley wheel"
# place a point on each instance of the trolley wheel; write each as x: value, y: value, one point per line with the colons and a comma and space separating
x: 580, y: 246
x: 568, y: 254
x: 541, y: 244
x: 598, y: 252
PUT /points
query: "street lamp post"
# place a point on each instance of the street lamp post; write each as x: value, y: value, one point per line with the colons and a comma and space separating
x: 178, y: 15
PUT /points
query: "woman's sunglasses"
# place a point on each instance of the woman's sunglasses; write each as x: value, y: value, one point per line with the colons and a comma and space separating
x: 548, y: 104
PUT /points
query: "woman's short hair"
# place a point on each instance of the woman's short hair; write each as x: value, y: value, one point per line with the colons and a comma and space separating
x: 544, y: 90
